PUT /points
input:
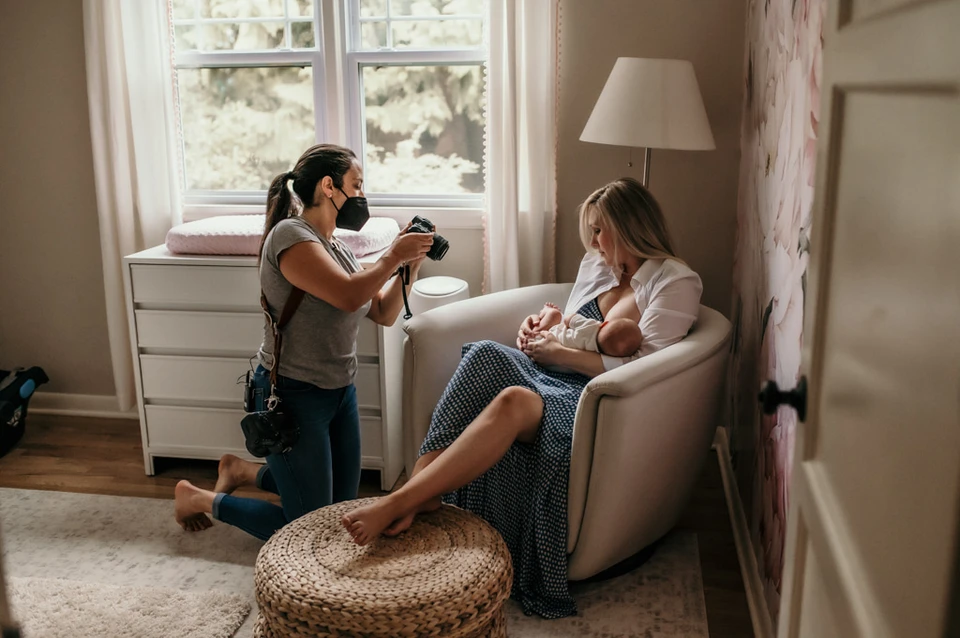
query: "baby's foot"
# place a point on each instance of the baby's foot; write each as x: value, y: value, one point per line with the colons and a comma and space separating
x: 187, y: 509
x: 366, y: 523
x: 231, y: 473
x: 552, y: 305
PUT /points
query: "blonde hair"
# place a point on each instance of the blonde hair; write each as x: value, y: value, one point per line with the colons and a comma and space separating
x: 629, y: 211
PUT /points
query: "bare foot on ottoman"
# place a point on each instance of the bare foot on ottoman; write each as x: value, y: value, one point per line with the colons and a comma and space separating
x: 366, y: 523
x: 403, y: 524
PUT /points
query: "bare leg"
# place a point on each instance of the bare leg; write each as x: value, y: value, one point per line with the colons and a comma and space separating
x: 514, y: 415
x: 191, y: 502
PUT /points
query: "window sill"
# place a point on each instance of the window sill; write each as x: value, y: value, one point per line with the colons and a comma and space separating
x: 446, y: 218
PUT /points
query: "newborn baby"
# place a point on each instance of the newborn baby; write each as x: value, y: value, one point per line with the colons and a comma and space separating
x: 614, y: 338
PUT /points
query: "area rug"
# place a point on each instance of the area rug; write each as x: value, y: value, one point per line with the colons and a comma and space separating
x: 69, y: 609
x: 134, y: 542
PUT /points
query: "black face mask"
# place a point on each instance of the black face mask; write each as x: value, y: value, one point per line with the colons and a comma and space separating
x: 353, y: 214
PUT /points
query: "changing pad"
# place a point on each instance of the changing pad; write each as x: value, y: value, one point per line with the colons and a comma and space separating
x: 240, y: 235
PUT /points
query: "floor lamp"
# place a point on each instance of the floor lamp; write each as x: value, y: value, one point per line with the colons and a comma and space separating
x: 650, y: 103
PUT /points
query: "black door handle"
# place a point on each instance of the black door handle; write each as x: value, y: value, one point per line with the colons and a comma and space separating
x: 772, y: 397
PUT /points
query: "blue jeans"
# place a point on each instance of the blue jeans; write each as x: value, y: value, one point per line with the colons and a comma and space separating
x: 323, y: 467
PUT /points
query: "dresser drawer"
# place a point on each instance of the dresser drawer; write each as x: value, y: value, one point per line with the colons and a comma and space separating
x: 215, y: 379
x: 193, y: 378
x: 235, y: 287
x: 218, y: 430
x: 225, y: 331
x: 368, y: 385
x: 170, y: 426
x: 371, y: 437
x: 368, y: 339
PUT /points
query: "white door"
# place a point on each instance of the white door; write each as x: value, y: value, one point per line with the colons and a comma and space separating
x: 872, y: 527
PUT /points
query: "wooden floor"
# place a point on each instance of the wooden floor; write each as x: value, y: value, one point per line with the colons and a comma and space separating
x: 103, y: 456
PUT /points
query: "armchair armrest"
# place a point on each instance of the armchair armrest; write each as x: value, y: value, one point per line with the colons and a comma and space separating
x: 431, y: 351
x: 638, y: 395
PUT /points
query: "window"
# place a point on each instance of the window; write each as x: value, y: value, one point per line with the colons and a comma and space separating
x: 401, y: 82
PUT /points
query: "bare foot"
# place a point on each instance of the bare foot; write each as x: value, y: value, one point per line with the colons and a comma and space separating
x: 234, y: 472
x: 402, y: 524
x: 196, y: 523
x: 366, y: 523
x: 191, y: 505
x: 552, y: 305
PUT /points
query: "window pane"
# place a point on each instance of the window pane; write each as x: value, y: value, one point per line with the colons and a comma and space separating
x: 301, y: 35
x: 241, y: 8
x: 302, y: 8
x: 424, y: 129
x: 185, y: 38
x: 435, y: 34
x: 241, y: 127
x: 183, y: 9
x: 249, y: 36
x: 373, y: 35
x: 373, y: 8
x: 435, y: 7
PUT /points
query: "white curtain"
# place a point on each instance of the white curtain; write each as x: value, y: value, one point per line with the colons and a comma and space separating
x: 132, y: 123
x: 521, y: 157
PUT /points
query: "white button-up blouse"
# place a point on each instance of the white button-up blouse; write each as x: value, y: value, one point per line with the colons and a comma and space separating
x: 667, y: 294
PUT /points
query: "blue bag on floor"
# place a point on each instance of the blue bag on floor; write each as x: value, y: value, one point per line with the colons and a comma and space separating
x: 16, y: 388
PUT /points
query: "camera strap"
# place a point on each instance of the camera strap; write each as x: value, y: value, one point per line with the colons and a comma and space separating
x: 404, y: 273
x: 290, y: 307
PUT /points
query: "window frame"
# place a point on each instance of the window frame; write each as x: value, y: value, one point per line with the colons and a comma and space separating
x: 339, y: 115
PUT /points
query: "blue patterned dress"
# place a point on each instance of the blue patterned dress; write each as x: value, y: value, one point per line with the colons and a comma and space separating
x: 524, y: 496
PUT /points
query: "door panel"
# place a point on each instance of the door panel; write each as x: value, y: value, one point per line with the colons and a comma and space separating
x: 872, y: 528
x: 893, y: 310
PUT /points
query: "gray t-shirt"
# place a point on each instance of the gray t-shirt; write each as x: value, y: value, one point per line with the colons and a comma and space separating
x: 320, y: 342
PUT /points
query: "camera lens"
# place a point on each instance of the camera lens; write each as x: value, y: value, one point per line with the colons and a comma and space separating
x: 439, y: 248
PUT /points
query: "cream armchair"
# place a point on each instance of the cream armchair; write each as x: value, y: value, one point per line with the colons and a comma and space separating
x: 641, y: 432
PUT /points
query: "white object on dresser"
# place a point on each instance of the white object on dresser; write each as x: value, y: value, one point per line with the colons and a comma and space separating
x: 195, y: 322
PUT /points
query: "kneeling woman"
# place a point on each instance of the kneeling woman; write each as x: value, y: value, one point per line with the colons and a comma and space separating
x: 318, y: 361
x: 500, y: 438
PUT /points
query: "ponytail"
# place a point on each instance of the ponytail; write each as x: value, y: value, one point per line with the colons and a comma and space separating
x: 279, y: 203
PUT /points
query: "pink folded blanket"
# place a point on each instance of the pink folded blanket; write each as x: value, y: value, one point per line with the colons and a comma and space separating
x: 240, y: 235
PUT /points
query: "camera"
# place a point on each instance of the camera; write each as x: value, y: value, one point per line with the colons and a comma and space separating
x: 440, y: 245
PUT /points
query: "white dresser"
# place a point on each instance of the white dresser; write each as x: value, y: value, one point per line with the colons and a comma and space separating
x: 195, y: 323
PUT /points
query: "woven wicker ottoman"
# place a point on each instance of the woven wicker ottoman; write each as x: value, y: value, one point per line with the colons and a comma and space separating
x: 448, y: 575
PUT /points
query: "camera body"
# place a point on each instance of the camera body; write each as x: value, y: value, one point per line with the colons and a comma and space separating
x: 440, y: 245
x: 269, y: 432
x: 267, y: 428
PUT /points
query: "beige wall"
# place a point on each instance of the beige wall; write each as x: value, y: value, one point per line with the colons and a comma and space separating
x: 51, y: 283
x: 51, y: 279
x: 698, y: 190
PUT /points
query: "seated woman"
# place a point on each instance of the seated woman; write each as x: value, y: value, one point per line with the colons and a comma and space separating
x: 500, y: 438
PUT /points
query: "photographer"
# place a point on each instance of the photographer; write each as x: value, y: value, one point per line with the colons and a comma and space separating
x: 318, y: 358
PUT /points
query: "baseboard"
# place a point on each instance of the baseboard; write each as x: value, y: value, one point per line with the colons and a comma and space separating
x: 759, y: 612
x: 91, y: 405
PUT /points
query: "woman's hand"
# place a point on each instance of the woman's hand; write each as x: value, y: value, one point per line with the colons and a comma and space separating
x: 545, y: 349
x: 528, y: 329
x: 408, y: 247
x: 415, y: 267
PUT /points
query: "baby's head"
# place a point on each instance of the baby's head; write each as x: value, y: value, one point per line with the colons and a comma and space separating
x: 619, y: 338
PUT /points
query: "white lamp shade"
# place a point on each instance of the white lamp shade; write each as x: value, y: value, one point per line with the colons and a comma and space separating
x: 652, y: 104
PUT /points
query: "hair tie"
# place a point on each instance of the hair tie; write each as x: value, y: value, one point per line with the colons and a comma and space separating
x: 289, y: 175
